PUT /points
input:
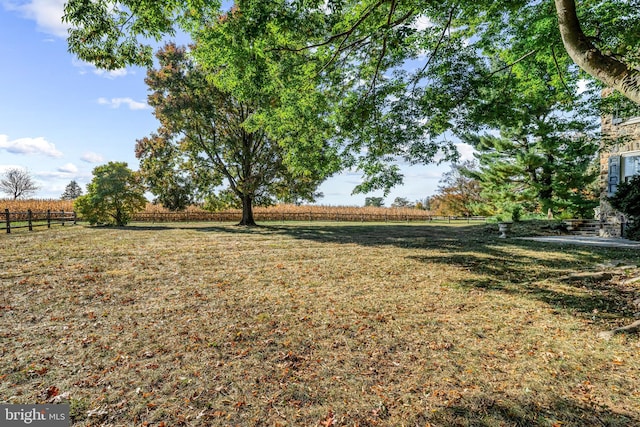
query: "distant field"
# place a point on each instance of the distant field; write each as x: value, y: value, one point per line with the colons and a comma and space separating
x: 319, y: 324
x: 157, y: 213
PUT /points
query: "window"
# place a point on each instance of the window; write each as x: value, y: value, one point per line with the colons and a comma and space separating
x: 630, y: 166
x: 626, y: 115
x: 621, y: 169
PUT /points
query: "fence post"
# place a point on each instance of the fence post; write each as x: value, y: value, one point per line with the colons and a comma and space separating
x: 75, y: 218
x: 7, y: 215
x: 48, y: 218
x: 62, y: 217
x: 29, y: 218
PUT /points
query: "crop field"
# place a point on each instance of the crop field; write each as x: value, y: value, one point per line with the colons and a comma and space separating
x: 284, y: 212
x: 323, y: 324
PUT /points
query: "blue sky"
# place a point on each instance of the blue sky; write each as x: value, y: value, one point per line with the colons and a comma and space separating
x: 60, y: 117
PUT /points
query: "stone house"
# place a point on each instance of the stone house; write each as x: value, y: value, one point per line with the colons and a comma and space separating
x: 622, y: 161
x: 618, y: 163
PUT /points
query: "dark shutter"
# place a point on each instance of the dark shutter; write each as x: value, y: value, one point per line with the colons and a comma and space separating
x: 614, y: 175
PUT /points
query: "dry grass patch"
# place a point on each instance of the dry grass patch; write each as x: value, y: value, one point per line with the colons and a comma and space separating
x: 311, y: 325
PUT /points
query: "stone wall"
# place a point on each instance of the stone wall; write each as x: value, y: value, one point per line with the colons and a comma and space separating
x: 628, y: 132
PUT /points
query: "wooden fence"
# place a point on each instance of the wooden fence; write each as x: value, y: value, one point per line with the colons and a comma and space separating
x: 31, y: 219
x: 298, y: 216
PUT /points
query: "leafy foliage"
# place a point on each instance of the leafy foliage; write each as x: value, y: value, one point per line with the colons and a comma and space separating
x: 72, y: 191
x: 627, y: 200
x: 402, y: 202
x: 376, y: 202
x: 209, y: 140
x: 458, y: 194
x: 384, y: 80
x: 17, y: 183
x: 113, y: 196
x: 543, y: 139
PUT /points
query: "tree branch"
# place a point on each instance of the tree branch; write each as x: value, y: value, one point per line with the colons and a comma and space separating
x: 555, y: 60
x: 435, y: 50
x: 605, y: 68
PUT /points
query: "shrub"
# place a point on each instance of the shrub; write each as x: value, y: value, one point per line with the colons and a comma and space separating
x: 627, y: 201
x: 113, y: 196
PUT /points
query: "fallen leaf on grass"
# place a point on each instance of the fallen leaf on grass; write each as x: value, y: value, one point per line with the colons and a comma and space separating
x: 329, y: 421
x: 52, y: 391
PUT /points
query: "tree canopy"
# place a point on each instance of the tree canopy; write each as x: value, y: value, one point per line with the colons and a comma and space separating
x: 210, y: 141
x: 539, y: 139
x: 114, y: 194
x: 458, y: 194
x: 398, y: 78
x: 601, y: 36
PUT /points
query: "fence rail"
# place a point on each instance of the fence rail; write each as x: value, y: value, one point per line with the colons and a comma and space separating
x: 298, y: 216
x: 30, y: 219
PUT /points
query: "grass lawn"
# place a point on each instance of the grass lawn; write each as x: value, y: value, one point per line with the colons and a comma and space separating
x: 316, y: 325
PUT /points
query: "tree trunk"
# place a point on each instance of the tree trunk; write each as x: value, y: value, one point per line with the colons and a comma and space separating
x: 607, y: 69
x: 247, y: 211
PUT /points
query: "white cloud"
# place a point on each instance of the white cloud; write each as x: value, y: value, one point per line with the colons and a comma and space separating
x: 29, y: 146
x: 466, y: 151
x: 112, y: 74
x: 117, y: 102
x: 91, y: 157
x: 422, y: 23
x: 46, y: 13
x: 86, y: 67
x: 429, y: 174
x: 68, y: 168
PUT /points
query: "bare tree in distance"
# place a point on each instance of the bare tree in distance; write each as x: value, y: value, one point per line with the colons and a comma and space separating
x: 17, y: 183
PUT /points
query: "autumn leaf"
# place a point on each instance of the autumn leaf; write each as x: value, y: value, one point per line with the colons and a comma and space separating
x: 329, y: 421
x: 52, y: 391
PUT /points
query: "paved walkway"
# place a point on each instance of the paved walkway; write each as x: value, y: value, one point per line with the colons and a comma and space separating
x: 611, y: 242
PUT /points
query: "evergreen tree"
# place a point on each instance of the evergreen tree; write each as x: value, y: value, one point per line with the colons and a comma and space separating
x: 72, y: 191
x: 542, y: 136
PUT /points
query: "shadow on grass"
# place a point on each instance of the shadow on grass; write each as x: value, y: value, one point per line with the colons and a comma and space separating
x: 487, y: 411
x: 510, y: 266
x: 520, y: 267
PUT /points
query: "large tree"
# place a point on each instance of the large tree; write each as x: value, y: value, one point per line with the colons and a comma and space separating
x: 113, y: 196
x: 612, y: 58
x: 542, y: 136
x: 17, y: 183
x: 208, y: 140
